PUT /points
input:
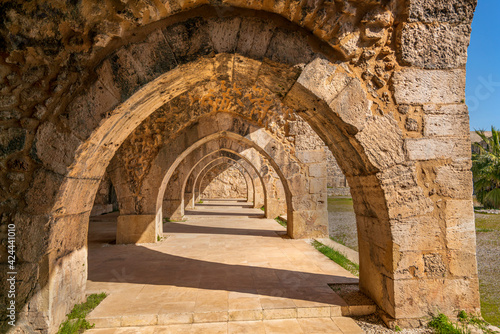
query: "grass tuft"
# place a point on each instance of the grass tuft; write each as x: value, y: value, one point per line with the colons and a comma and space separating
x: 484, y: 230
x: 339, y: 239
x: 280, y: 221
x: 337, y: 257
x: 443, y: 325
x: 76, y: 322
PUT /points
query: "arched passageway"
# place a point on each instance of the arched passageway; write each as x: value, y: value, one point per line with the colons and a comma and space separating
x: 191, y: 192
x: 351, y: 71
x: 218, y: 166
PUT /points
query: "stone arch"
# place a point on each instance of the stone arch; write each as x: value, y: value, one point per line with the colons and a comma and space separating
x: 211, y: 174
x: 221, y: 161
x: 256, y: 162
x: 231, y: 141
x: 207, y: 150
x: 189, y: 187
x: 386, y: 162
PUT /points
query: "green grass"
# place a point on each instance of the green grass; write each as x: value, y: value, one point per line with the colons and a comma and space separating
x: 200, y: 202
x: 484, y: 230
x: 488, y: 221
x: 337, y: 257
x: 339, y: 239
x: 340, y: 204
x: 443, y: 325
x: 488, y: 236
x: 76, y: 322
x: 263, y: 208
x: 280, y: 221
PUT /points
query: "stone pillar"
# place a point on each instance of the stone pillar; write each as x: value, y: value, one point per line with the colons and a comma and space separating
x: 136, y: 229
x: 189, y: 200
x: 172, y: 208
x: 272, y: 208
x: 310, y: 216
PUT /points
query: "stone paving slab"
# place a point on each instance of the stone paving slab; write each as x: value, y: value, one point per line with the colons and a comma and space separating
x: 225, y: 264
x: 340, y: 325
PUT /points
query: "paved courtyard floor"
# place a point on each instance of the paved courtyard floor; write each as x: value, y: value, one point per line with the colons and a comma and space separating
x: 225, y: 269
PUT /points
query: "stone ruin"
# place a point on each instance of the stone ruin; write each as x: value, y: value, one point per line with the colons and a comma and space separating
x: 153, y: 91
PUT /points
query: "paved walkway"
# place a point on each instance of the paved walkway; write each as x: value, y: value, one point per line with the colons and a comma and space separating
x: 224, y: 270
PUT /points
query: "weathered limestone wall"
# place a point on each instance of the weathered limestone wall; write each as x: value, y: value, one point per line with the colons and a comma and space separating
x: 224, y: 181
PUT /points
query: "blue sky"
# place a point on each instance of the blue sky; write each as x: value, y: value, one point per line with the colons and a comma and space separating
x: 483, y: 67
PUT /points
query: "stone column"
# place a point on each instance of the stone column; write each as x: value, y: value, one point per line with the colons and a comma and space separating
x: 135, y: 229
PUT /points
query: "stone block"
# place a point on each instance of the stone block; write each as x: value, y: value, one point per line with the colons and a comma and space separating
x: 245, y: 315
x: 254, y: 38
x: 308, y: 224
x: 317, y: 77
x: 311, y: 156
x: 289, y: 48
x: 318, y: 170
x: 136, y: 229
x: 454, y: 182
x: 11, y: 140
x: 224, y: 33
x: 417, y: 86
x: 61, y: 241
x: 175, y: 318
x: 459, y: 214
x: 463, y: 239
x: 245, y: 70
x: 313, y: 312
x: 86, y: 111
x: 452, y: 11
x: 449, y: 109
x: 76, y: 196
x: 445, y: 125
x: 436, y: 46
x: 462, y: 294
x: 189, y: 48
x: 129, y: 320
x: 437, y: 148
x: 352, y: 105
x: 280, y: 313
x: 153, y: 56
x: 405, y: 198
x: 462, y: 263
x: 41, y: 196
x: 418, y: 298
x: 30, y: 249
x: 55, y: 149
x: 382, y: 142
x: 317, y: 186
x: 426, y: 235
x: 277, y: 77
x: 215, y: 316
x: 434, y: 265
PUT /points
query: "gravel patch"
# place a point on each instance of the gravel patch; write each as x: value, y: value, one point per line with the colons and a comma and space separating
x: 373, y: 324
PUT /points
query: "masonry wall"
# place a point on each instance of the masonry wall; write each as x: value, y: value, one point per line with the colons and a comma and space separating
x: 224, y: 181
